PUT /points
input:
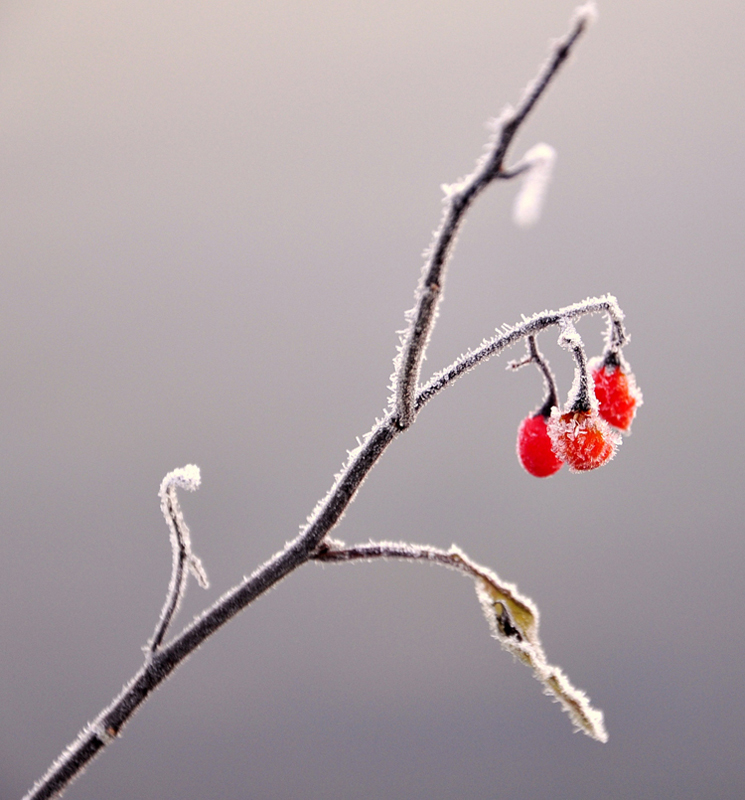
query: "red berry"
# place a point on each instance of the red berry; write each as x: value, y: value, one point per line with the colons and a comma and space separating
x: 582, y: 439
x: 534, y: 448
x: 615, y: 389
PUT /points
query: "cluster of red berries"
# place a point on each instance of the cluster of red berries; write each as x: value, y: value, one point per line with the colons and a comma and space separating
x: 581, y: 438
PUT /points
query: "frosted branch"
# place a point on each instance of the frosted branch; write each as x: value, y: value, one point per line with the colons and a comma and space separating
x: 512, y: 618
x: 324, y: 518
x: 459, y: 198
x: 512, y: 335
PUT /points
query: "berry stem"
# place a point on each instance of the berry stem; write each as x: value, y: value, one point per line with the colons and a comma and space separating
x: 582, y: 397
x: 536, y: 357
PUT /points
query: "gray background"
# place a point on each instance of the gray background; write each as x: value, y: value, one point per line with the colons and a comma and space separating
x: 212, y: 220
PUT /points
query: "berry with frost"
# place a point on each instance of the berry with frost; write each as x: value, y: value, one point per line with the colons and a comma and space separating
x: 534, y: 447
x: 582, y: 439
x: 616, y: 391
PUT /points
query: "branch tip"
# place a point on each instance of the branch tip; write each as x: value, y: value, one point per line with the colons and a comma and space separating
x: 188, y: 477
x: 587, y: 14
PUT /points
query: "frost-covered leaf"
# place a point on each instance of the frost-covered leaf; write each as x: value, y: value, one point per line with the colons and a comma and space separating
x: 513, y: 620
x: 512, y: 617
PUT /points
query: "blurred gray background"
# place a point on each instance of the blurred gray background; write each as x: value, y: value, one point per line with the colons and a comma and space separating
x: 212, y: 222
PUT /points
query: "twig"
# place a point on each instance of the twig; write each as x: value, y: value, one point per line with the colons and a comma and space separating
x: 512, y: 335
x: 184, y: 561
x: 460, y: 197
x: 581, y: 397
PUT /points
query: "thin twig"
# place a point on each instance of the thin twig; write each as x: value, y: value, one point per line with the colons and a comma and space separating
x: 581, y: 398
x: 512, y: 335
x: 460, y: 197
x: 536, y: 357
x: 184, y: 561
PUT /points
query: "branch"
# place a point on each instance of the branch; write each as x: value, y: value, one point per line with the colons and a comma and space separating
x: 512, y: 618
x: 460, y: 197
x: 511, y: 335
x: 107, y: 726
x: 109, y: 723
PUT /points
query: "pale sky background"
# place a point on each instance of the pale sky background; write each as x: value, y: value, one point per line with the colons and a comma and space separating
x: 212, y: 222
